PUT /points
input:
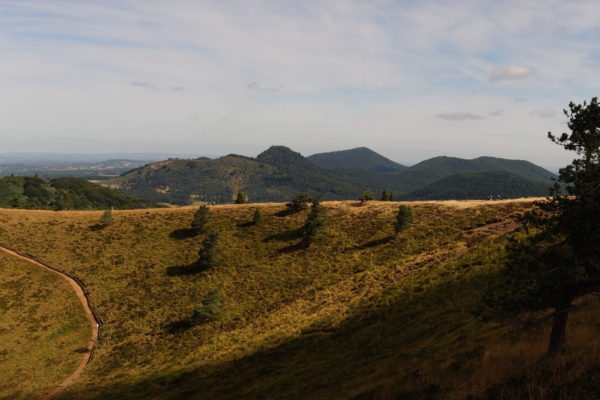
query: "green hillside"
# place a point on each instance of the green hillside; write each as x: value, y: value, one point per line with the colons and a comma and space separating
x: 359, y: 158
x: 434, y: 169
x: 279, y: 173
x: 357, y: 315
x: 479, y: 186
x: 275, y: 175
x: 64, y: 194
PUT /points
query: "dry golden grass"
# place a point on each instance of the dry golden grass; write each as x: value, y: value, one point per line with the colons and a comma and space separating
x: 356, y: 314
x: 42, y: 329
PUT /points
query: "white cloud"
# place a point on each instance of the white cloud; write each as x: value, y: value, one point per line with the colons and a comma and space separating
x: 266, y: 88
x: 458, y: 116
x: 496, y: 113
x: 543, y: 113
x: 511, y: 73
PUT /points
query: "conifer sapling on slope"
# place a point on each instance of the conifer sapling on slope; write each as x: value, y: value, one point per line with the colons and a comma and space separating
x: 200, y: 219
x: 257, y: 216
x: 241, y: 198
x: 403, y: 219
x: 208, y: 253
x: 314, y: 224
x: 106, y: 218
x: 211, y: 308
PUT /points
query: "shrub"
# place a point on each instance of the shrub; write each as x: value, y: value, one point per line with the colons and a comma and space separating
x: 208, y: 253
x: 403, y: 219
x: 201, y: 219
x: 366, y: 196
x: 298, y: 203
x: 314, y: 224
x: 241, y: 198
x: 257, y: 217
x: 211, y: 308
x: 106, y: 219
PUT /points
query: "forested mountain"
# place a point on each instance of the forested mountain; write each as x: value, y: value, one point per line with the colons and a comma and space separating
x: 279, y: 173
x: 479, y: 186
x: 64, y: 194
x: 275, y: 175
x: 436, y: 168
x: 361, y: 157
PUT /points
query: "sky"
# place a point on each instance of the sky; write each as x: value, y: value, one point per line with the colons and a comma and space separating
x: 408, y: 79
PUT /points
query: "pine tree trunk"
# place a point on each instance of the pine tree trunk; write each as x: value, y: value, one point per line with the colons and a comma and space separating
x: 559, y: 326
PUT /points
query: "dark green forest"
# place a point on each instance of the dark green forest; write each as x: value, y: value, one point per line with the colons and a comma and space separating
x: 64, y: 194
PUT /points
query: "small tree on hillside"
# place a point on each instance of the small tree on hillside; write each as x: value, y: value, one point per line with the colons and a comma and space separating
x: 314, y: 224
x: 257, y: 217
x: 387, y: 196
x: 403, y: 219
x: 201, y: 219
x: 208, y: 253
x: 211, y: 308
x: 556, y: 259
x: 106, y: 219
x: 366, y: 196
x: 298, y: 203
x: 241, y: 198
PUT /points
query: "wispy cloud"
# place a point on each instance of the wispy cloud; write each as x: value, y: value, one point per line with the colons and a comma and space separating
x: 511, y: 73
x: 543, y: 113
x: 145, y: 85
x: 266, y: 88
x: 458, y: 116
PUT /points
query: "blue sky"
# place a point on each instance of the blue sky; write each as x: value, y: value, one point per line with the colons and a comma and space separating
x: 409, y: 79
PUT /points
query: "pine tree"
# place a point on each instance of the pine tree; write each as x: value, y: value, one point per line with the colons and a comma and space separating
x: 106, y: 219
x: 211, y: 308
x: 201, y: 219
x: 314, y: 224
x: 366, y: 196
x: 298, y: 203
x: 241, y: 198
x: 208, y: 253
x: 403, y: 219
x: 556, y: 257
x: 257, y: 217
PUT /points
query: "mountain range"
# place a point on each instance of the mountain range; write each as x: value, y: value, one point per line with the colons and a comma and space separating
x: 279, y: 173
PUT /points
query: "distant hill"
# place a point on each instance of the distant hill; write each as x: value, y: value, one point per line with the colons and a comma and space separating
x: 478, y: 186
x: 360, y: 157
x: 63, y: 194
x: 279, y: 173
x: 436, y: 168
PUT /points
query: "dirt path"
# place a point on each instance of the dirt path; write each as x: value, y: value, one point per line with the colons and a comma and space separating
x: 93, y: 319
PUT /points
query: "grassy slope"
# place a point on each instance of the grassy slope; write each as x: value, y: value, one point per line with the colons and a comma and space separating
x: 42, y: 326
x: 355, y: 315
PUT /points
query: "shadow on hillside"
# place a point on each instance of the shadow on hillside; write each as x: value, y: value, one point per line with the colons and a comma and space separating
x: 179, y: 270
x: 373, y: 243
x: 184, y: 233
x: 179, y: 326
x: 246, y: 224
x: 97, y: 227
x: 291, y: 234
x: 293, y: 247
x: 321, y: 357
x: 287, y: 211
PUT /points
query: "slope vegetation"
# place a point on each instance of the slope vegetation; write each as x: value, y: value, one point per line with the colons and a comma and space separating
x: 279, y: 173
x: 361, y: 157
x: 479, y: 186
x: 63, y: 194
x: 359, y: 314
x: 43, y: 329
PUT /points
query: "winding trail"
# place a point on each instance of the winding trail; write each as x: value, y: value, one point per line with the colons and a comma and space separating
x: 85, y: 302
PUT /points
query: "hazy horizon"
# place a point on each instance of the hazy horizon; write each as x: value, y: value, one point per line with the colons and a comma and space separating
x: 413, y: 80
